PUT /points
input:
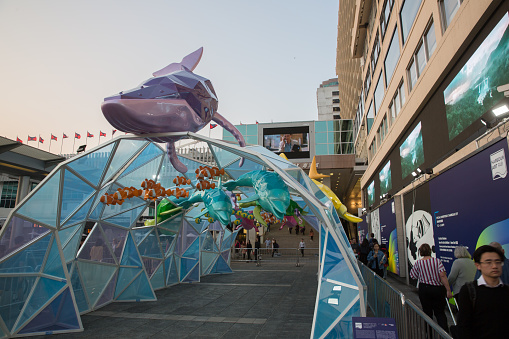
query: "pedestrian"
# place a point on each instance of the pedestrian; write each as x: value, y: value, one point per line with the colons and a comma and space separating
x: 268, y: 244
x: 463, y: 270
x: 433, y: 285
x: 268, y: 227
x: 97, y: 251
x: 372, y: 240
x: 276, y: 247
x: 484, y: 303
x: 363, y: 253
x: 249, y: 248
x: 257, y: 247
x: 383, y: 248
x: 505, y: 266
x: 355, y: 245
x: 311, y: 234
x: 302, y: 246
x: 273, y: 247
x: 244, y: 251
x: 376, y: 260
x: 303, y: 230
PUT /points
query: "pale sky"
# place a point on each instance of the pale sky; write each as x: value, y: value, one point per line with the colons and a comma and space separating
x: 61, y: 58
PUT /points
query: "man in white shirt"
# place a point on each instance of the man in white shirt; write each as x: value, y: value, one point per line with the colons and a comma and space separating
x: 302, y: 246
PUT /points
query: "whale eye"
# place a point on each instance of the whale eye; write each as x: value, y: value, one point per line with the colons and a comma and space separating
x: 206, y: 110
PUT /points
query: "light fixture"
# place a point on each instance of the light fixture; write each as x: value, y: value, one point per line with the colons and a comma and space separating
x: 500, y: 110
x: 419, y: 170
x: 484, y: 122
x: 414, y: 174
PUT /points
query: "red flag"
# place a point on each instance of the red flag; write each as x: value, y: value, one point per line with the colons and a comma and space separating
x: 53, y: 137
x: 41, y: 140
x: 64, y: 136
x: 113, y: 132
x: 101, y: 134
x: 89, y: 135
x: 19, y: 140
x: 257, y: 122
x: 213, y: 126
x: 32, y: 138
x: 77, y: 136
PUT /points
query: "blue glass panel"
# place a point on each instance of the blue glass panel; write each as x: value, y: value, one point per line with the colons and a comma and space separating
x: 43, y: 292
x: 344, y: 328
x: 226, y: 256
x: 186, y: 265
x: 91, y: 166
x: 273, y: 157
x: 321, y: 138
x: 149, y: 153
x: 335, y: 266
x: 166, y: 240
x: 242, y: 129
x: 227, y: 243
x: 208, y: 243
x: 167, y: 173
x: 54, y: 264
x: 60, y: 315
x: 157, y: 279
x: 98, y: 206
x: 185, y: 237
x: 79, y: 294
x: 221, y: 266
x: 191, y: 167
x: 331, y: 148
x: 28, y: 260
x: 223, y: 157
x: 140, y: 233
x: 130, y: 256
x: 127, y: 219
x: 125, y: 150
x: 136, y: 177
x: 66, y: 234
x: 150, y: 247
x: 330, y: 125
x: 207, y: 259
x: 42, y: 206
x: 138, y: 290
x: 251, y: 140
x: 81, y: 214
x: 173, y: 224
x: 323, y: 234
x: 194, y: 275
x: 171, y: 271
x: 95, y: 278
x: 125, y: 276
x: 107, y: 295
x: 74, y: 193
x: 71, y: 247
x: 115, y: 237
x: 331, y: 304
x: 96, y: 248
x: 126, y: 205
x: 15, y: 293
x: 321, y: 149
x: 320, y: 126
x: 235, y: 171
x: 252, y: 129
x: 193, y: 251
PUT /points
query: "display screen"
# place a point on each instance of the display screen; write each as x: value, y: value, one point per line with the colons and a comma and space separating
x: 371, y: 193
x: 412, y: 152
x: 385, y: 178
x: 292, y: 141
x: 474, y: 90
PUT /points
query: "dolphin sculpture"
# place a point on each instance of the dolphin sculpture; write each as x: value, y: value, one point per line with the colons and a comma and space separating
x: 174, y: 100
x: 271, y: 193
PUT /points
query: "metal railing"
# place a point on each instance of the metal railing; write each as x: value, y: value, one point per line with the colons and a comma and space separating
x: 387, y: 302
x: 289, y: 255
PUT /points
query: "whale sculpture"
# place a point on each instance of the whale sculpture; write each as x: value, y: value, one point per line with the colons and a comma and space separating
x: 174, y: 100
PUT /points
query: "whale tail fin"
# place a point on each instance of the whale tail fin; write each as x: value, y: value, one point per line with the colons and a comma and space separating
x: 188, y: 62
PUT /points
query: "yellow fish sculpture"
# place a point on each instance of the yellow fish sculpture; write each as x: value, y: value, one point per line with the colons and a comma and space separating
x: 340, y: 208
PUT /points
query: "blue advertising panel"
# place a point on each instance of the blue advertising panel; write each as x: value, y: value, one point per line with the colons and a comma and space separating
x: 389, y: 235
x: 362, y: 228
x: 469, y: 203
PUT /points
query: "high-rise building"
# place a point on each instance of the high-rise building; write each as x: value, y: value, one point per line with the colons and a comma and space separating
x: 327, y: 98
x: 432, y: 79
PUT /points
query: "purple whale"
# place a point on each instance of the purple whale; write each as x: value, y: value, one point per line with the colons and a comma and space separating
x: 174, y: 100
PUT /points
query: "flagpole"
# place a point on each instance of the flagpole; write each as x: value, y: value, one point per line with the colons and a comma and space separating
x: 39, y: 141
x: 50, y: 140
x: 74, y: 143
x: 62, y: 144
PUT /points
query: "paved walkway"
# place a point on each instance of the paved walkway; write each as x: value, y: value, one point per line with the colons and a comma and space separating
x: 274, y: 300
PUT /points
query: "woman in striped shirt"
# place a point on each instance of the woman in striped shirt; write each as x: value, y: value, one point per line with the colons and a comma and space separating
x: 433, y: 285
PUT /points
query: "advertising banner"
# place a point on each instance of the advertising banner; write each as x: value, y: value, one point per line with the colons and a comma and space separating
x: 362, y: 228
x: 469, y: 203
x: 389, y: 235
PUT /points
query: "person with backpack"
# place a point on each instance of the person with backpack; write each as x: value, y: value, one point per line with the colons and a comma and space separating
x: 484, y: 303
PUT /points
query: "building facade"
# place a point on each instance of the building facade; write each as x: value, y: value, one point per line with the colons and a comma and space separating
x: 327, y: 99
x: 432, y: 72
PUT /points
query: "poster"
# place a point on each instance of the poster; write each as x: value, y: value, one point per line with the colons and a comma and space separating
x: 375, y: 224
x: 469, y: 203
x: 389, y: 234
x: 362, y: 228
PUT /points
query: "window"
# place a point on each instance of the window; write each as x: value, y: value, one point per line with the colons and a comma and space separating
x: 8, y: 196
x: 385, y: 16
x: 407, y: 15
x: 397, y: 102
x: 335, y: 101
x: 375, y: 53
x: 392, y: 57
x: 335, y: 93
x: 367, y: 83
x: 379, y: 93
x: 336, y: 116
x: 335, y: 109
x: 370, y: 116
x: 422, y: 54
x: 448, y: 10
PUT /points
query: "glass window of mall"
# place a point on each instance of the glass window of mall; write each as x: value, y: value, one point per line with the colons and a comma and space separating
x: 385, y: 16
x: 392, y: 57
x: 407, y: 15
x: 421, y: 56
x: 397, y: 102
x: 334, y: 137
x: 9, y: 192
x: 448, y: 9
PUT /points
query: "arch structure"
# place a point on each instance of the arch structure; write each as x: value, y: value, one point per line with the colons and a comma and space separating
x: 48, y: 278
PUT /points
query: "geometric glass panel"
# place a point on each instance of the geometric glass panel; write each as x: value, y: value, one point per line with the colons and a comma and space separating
x: 186, y: 265
x: 172, y: 224
x: 18, y: 233
x: 95, y: 278
x: 115, y: 237
x: 125, y: 150
x: 166, y: 239
x: 42, y: 206
x: 344, y: 327
x: 91, y: 166
x: 167, y: 174
x: 208, y: 243
x: 149, y: 153
x: 221, y: 266
x: 15, y: 293
x: 139, y: 289
x: 107, y: 295
x: 136, y: 177
x: 150, y: 247
x: 206, y: 260
x: 226, y: 255
x: 53, y: 264
x: 43, y: 292
x: 235, y: 171
x: 139, y: 234
x: 157, y: 280
x: 79, y: 294
x: 59, y: 315
x: 151, y: 265
x: 95, y: 247
x: 128, y: 218
x: 125, y: 277
x: 194, y: 275
x: 28, y: 260
x: 74, y: 193
x: 71, y: 247
x: 192, y: 166
x: 171, y: 270
x: 222, y: 156
x: 130, y: 256
x: 335, y: 266
x: 193, y: 251
x: 80, y: 215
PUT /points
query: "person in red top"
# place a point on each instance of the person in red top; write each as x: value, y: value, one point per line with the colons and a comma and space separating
x: 433, y: 285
